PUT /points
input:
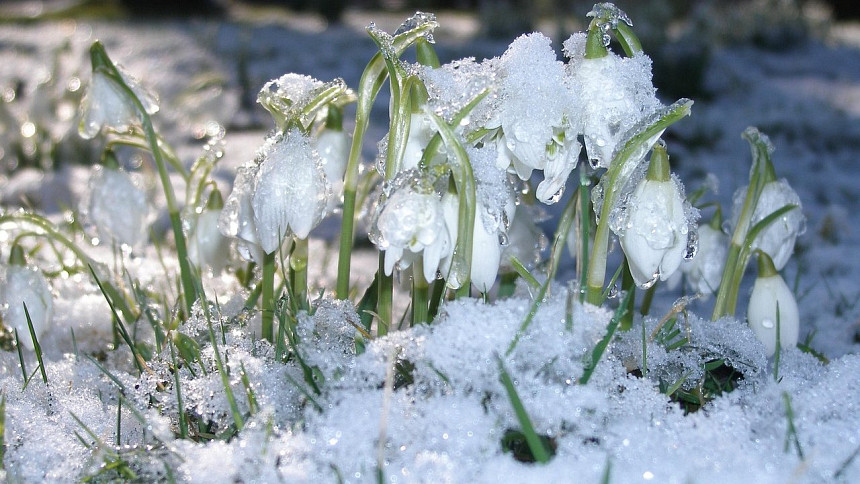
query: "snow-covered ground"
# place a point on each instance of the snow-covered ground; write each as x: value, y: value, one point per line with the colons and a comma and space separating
x: 444, y: 419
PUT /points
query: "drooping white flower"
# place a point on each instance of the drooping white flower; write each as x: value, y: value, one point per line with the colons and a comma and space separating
x: 117, y: 206
x: 486, y: 246
x: 616, y: 94
x: 333, y: 148
x: 281, y: 193
x: 107, y: 105
x: 561, y: 158
x: 25, y: 285
x: 411, y: 224
x: 654, y: 237
x: 772, y: 301
x: 291, y: 190
x: 534, y: 107
x: 207, y: 247
x: 705, y: 271
x: 237, y: 217
x: 777, y: 239
x: 420, y: 133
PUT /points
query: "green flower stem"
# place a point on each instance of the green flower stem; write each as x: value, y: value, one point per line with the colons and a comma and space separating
x: 623, y: 164
x: 268, y: 284
x: 385, y: 292
x: 102, y: 63
x: 371, y: 81
x: 736, y: 261
x: 464, y: 180
x: 561, y: 233
x: 584, y: 231
x: 48, y: 230
x: 299, y: 272
x: 420, y: 293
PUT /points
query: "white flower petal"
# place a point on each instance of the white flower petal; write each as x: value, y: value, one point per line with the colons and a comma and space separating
x: 769, y: 295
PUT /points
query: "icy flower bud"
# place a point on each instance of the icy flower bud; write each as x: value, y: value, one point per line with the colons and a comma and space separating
x: 237, y: 217
x: 705, y: 271
x: 414, y: 222
x: 420, y: 133
x: 654, y: 237
x: 777, y: 239
x: 533, y: 101
x: 108, y: 102
x: 25, y: 286
x: 291, y: 190
x: 207, y: 247
x: 617, y: 94
x: 117, y: 206
x: 486, y: 246
x: 772, y: 302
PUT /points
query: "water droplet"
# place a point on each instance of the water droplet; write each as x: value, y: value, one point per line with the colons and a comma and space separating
x: 767, y: 324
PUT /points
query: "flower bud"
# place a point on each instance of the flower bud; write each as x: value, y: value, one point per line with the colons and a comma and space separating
x: 705, y: 271
x: 654, y: 238
x: 206, y: 246
x: 25, y: 286
x: 772, y: 302
x: 117, y: 206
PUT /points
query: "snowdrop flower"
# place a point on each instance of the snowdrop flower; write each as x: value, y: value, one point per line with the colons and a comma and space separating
x: 106, y: 103
x: 616, y: 94
x: 237, y: 217
x: 207, y: 247
x: 771, y: 299
x: 654, y: 237
x: 117, y: 206
x: 333, y: 148
x: 534, y: 102
x: 561, y: 158
x: 281, y: 193
x: 25, y: 286
x: 486, y: 244
x: 777, y: 239
x: 420, y: 133
x: 411, y: 224
x: 705, y: 271
x: 291, y: 190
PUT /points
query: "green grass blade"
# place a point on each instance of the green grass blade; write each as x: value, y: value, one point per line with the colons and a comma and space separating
x: 36, y: 346
x: 539, y: 451
x: 597, y: 353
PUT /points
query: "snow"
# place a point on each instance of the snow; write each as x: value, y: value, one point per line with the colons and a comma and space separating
x: 446, y: 424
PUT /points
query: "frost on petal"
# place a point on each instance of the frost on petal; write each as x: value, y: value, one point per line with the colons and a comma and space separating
x: 237, y: 217
x: 454, y: 85
x: 616, y: 94
x: 25, y: 285
x: 654, y: 237
x: 413, y: 222
x: 290, y: 190
x: 106, y: 105
x: 705, y: 271
x: 288, y: 98
x: 117, y: 207
x: 533, y: 98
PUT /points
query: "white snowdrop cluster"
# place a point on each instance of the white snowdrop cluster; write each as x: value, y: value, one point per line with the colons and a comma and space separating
x: 516, y: 114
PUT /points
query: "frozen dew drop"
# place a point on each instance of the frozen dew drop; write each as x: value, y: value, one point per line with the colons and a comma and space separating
x: 420, y: 19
